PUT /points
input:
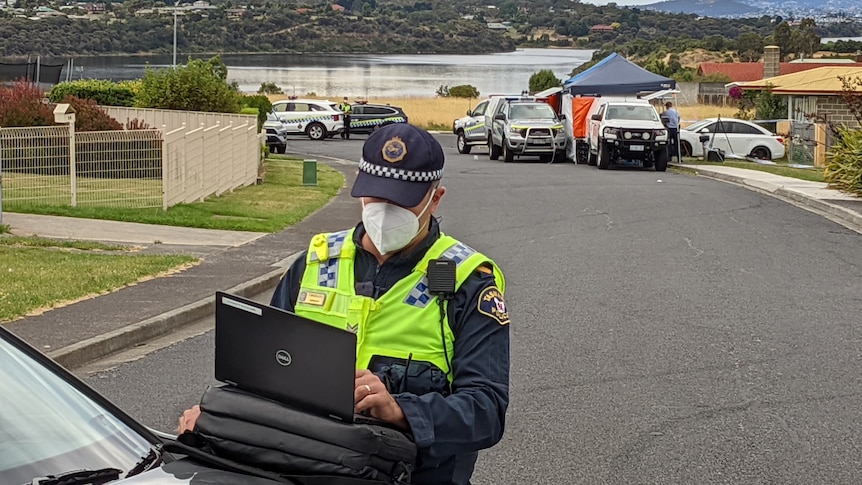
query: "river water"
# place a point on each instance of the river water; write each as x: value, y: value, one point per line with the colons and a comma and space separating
x: 364, y: 75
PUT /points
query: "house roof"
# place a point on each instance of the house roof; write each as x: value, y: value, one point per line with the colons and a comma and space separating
x: 820, y: 80
x: 735, y: 71
x: 753, y: 71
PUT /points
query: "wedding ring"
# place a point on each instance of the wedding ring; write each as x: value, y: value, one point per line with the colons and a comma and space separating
x: 368, y: 388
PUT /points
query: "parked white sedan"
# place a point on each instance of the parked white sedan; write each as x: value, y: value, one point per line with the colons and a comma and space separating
x: 733, y: 136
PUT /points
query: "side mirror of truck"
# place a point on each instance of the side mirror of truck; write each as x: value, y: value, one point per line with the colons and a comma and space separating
x: 562, y: 117
x: 596, y: 117
x: 500, y: 116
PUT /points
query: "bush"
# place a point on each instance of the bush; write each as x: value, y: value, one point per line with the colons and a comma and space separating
x: 90, y: 117
x: 269, y: 88
x: 21, y: 105
x: 544, y: 79
x: 197, y: 86
x: 262, y: 105
x: 460, y: 91
x: 106, y: 93
x: 844, y: 170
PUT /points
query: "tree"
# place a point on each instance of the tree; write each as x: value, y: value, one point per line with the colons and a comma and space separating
x: 783, y: 38
x: 750, y: 47
x: 806, y: 40
x: 543, y: 80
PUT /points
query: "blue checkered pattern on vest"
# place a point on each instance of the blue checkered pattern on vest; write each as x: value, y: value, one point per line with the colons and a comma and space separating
x: 327, y: 274
x: 419, y: 296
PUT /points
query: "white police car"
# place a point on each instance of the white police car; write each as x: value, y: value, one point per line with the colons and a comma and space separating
x: 318, y: 119
x: 471, y: 128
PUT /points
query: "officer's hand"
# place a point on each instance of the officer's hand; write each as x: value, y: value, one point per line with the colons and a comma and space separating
x: 188, y: 419
x: 370, y: 394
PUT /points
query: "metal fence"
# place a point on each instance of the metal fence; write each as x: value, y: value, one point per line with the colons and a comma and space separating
x: 106, y: 168
x: 151, y: 167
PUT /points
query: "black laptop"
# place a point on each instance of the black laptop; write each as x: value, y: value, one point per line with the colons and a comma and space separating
x: 285, y: 357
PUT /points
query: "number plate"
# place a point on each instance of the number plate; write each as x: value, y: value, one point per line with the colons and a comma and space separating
x: 540, y: 142
x: 636, y: 148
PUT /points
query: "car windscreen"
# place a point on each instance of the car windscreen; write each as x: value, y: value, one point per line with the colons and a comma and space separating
x: 531, y: 112
x: 698, y: 125
x: 48, y: 427
x: 639, y: 113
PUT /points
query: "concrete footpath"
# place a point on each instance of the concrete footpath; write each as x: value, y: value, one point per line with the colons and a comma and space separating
x: 250, y: 263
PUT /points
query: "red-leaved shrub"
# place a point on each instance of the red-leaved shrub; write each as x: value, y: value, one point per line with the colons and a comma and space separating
x: 21, y: 105
x: 90, y: 117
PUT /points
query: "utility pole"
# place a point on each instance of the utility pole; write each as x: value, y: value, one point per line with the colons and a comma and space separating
x: 176, y: 6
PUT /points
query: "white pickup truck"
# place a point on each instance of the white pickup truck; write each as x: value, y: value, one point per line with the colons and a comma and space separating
x: 628, y: 132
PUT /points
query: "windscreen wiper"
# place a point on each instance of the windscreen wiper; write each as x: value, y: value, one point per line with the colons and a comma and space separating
x: 76, y: 477
x: 151, y: 459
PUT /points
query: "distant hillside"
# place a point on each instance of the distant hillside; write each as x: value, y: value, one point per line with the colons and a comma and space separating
x: 711, y: 8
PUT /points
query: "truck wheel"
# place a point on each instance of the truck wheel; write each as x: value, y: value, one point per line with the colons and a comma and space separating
x: 591, y: 159
x: 463, y: 147
x: 604, y: 157
x: 661, y: 157
x: 508, y: 156
x: 493, y: 151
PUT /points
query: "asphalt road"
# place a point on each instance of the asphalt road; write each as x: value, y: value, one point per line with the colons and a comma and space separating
x: 666, y: 328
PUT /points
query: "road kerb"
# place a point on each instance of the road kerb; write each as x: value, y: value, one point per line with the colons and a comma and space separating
x: 846, y: 217
x: 100, y: 346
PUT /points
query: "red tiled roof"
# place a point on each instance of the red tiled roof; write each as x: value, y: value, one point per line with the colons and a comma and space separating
x: 753, y: 71
x: 736, y: 71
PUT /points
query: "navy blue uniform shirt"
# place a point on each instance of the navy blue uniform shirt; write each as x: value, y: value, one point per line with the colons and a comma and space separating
x: 449, y: 429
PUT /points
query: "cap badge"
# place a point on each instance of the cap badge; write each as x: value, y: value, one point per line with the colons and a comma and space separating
x: 394, y: 150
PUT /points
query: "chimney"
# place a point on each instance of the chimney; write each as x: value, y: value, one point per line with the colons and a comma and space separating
x: 771, y: 61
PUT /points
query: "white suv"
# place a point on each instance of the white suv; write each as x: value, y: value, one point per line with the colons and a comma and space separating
x: 315, y: 118
x: 628, y: 132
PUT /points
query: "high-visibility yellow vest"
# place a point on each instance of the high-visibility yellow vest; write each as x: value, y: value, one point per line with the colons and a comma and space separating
x: 411, y: 320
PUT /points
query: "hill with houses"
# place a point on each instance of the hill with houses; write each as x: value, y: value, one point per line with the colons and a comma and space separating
x: 60, y: 28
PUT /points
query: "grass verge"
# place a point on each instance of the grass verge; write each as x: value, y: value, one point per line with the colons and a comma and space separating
x: 810, y: 174
x: 279, y: 202
x: 40, y: 274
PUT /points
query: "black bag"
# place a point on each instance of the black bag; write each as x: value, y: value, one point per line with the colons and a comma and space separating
x: 257, y: 431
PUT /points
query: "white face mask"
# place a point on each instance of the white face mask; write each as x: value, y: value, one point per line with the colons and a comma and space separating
x: 389, y: 226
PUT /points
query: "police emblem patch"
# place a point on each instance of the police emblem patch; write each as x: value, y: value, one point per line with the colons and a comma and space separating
x: 394, y: 150
x: 491, y: 303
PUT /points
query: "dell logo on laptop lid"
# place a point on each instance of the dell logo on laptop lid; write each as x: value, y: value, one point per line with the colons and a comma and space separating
x: 283, y: 358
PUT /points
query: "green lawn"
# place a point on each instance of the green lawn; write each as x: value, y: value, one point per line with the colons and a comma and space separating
x: 811, y: 174
x: 38, y: 273
x: 279, y: 202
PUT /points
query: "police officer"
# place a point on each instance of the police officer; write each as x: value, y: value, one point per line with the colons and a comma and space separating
x: 372, y: 280
x: 346, y: 109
